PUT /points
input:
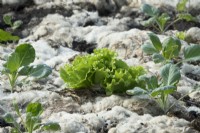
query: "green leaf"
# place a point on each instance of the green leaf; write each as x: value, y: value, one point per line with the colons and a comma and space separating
x: 155, y: 41
x: 148, y: 22
x: 7, y: 19
x: 171, y: 47
x: 32, y: 122
x: 157, y: 58
x: 148, y: 48
x: 188, y: 17
x: 13, y: 63
x: 24, y: 71
x: 17, y: 24
x: 16, y: 108
x: 23, y: 55
x: 181, y: 6
x: 192, y: 53
x: 51, y: 126
x: 26, y: 54
x: 151, y: 82
x: 14, y: 130
x: 149, y: 10
x: 162, y: 20
x: 9, y: 118
x: 102, y: 68
x: 181, y: 35
x: 6, y: 36
x: 165, y: 89
x: 170, y: 74
x: 36, y: 71
x: 136, y: 91
x: 34, y: 108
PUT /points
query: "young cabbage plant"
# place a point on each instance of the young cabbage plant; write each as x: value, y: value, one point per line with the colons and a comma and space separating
x: 159, y: 90
x: 182, y: 12
x: 32, y: 120
x: 14, y: 25
x: 169, y: 50
x: 161, y: 21
x: 156, y: 20
x: 103, y: 69
x: 18, y: 64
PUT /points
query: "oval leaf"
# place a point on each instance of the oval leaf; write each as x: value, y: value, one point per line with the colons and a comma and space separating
x: 150, y: 81
x: 40, y: 71
x: 162, y: 20
x: 155, y: 41
x: 171, y: 47
x: 13, y: 63
x: 150, y: 10
x: 170, y: 74
x: 149, y: 22
x: 186, y: 16
x: 148, y: 48
x: 192, y: 53
x: 181, y: 6
x: 157, y: 58
x: 34, y: 108
x: 25, y: 70
x: 26, y: 54
x: 7, y: 19
x: 165, y: 89
x: 17, y: 24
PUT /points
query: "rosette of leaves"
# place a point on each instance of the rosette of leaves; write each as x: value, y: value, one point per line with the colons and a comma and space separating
x: 14, y: 25
x: 182, y: 11
x: 18, y: 64
x: 156, y: 19
x: 159, y: 89
x: 32, y: 120
x: 170, y: 50
x: 101, y: 68
x: 160, y: 21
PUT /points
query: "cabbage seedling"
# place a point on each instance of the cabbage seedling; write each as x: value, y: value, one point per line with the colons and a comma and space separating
x: 170, y: 50
x: 18, y: 64
x: 32, y: 120
x: 14, y: 25
x: 159, y: 90
x: 160, y: 21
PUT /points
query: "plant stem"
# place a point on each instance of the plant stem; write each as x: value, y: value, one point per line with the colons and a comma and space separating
x: 171, y: 24
x: 12, y: 80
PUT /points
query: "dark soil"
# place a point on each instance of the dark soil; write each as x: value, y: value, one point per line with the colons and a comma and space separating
x: 30, y: 15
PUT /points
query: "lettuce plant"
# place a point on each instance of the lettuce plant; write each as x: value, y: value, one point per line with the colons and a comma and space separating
x: 18, y: 64
x: 169, y: 50
x: 102, y: 68
x: 161, y: 21
x: 159, y: 89
x: 14, y: 25
x: 32, y: 120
